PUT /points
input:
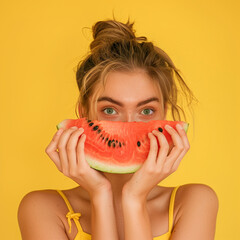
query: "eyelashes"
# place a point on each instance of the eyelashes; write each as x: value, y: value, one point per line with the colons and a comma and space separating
x: 107, y: 108
x: 151, y: 109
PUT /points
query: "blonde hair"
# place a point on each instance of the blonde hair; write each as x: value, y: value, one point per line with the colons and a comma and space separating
x: 116, y: 48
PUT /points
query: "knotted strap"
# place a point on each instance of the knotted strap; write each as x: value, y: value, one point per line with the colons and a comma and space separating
x: 71, y: 215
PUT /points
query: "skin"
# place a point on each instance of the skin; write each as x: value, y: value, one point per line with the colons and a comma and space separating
x: 113, y: 206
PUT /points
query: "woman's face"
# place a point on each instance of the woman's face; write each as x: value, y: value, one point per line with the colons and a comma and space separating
x: 129, y: 97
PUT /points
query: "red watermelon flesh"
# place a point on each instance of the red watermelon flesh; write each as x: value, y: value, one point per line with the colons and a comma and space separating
x: 118, y: 147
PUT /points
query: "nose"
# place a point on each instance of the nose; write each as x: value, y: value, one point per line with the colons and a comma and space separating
x: 128, y: 117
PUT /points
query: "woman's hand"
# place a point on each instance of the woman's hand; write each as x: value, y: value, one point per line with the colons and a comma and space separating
x: 67, y: 152
x: 159, y: 164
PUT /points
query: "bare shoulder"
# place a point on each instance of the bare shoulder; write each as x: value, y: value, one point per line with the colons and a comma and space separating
x: 193, y: 193
x: 40, y: 194
x: 35, y: 200
x: 46, y: 205
x: 197, y: 206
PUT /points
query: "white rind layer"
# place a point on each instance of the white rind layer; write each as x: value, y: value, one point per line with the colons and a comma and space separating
x: 94, y: 163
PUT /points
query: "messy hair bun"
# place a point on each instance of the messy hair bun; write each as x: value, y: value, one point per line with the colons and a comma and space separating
x: 116, y: 47
x: 106, y: 32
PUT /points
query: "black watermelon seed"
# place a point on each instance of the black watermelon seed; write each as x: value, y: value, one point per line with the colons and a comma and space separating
x: 101, y: 135
x: 116, y: 141
x: 106, y: 139
x: 139, y: 144
x: 113, y: 144
x: 90, y: 124
x: 95, y: 128
x: 89, y: 120
x: 109, y: 143
x: 102, y: 138
x: 120, y: 144
x: 99, y: 130
x: 160, y: 129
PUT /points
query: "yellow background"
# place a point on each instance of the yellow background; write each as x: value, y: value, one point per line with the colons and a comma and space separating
x: 41, y: 43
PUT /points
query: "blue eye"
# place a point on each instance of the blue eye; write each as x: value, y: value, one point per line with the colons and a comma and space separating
x: 109, y: 112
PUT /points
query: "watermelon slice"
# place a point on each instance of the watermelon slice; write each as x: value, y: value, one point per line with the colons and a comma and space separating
x: 118, y: 147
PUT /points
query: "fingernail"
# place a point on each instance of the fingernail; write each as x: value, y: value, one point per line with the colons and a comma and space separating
x: 168, y: 127
x: 179, y: 126
x: 74, y: 127
x: 59, y: 130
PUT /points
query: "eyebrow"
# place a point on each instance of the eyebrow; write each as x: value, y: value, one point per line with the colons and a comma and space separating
x: 121, y: 105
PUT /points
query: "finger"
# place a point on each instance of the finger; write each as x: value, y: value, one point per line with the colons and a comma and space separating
x: 81, y: 161
x: 184, y: 137
x: 178, y: 145
x: 72, y: 149
x: 52, y: 151
x: 177, y: 162
x: 186, y: 144
x: 63, y: 151
x: 164, y: 147
x: 152, y: 155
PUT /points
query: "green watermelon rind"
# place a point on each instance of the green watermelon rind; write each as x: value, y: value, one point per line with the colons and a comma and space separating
x: 94, y: 163
x: 62, y: 124
x: 185, y: 127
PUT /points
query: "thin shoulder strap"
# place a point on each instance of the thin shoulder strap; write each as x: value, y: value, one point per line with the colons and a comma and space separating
x: 71, y: 214
x: 171, y: 207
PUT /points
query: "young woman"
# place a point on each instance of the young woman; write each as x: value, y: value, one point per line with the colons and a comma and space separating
x: 124, y: 78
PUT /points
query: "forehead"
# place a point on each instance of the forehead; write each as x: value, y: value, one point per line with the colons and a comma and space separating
x: 130, y: 86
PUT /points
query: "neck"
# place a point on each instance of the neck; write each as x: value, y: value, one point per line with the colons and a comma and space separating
x: 117, y: 181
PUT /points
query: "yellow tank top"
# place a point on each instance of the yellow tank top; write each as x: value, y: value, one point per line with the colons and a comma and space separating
x: 81, y: 235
